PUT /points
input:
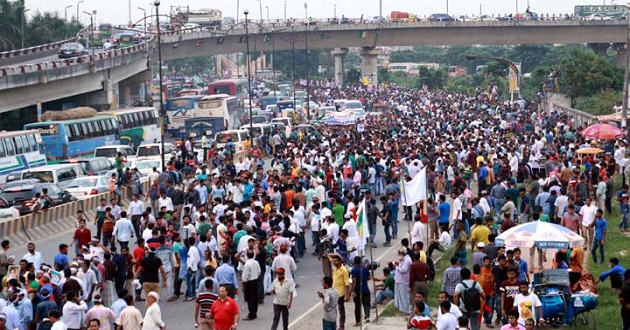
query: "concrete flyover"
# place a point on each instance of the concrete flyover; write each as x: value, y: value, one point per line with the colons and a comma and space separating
x: 16, y: 56
x: 25, y: 85
x: 282, y: 36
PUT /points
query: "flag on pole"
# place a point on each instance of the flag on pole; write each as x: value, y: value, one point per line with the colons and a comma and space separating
x: 362, y: 226
x: 416, y: 189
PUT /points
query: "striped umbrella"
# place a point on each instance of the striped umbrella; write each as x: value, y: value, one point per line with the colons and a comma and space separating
x: 543, y: 235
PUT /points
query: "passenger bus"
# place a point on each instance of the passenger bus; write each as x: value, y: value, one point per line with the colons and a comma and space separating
x: 76, y: 137
x: 105, y: 30
x: 19, y: 151
x: 137, y: 125
x: 179, y: 109
x: 191, y: 91
x: 232, y: 87
x: 200, y: 126
x: 221, y: 106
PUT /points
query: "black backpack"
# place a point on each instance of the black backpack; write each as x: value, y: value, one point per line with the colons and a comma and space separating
x: 471, y: 297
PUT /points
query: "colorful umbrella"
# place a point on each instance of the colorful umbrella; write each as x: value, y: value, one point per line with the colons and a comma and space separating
x: 589, y: 151
x: 543, y: 235
x: 602, y: 132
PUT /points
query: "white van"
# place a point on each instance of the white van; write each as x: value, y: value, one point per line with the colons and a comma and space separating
x: 287, y: 122
x: 154, y: 151
x: 259, y: 129
x: 238, y: 137
x: 112, y: 150
x: 60, y: 174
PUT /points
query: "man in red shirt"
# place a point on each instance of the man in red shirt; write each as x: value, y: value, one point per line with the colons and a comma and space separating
x: 224, y: 311
x: 138, y: 254
x: 82, y: 236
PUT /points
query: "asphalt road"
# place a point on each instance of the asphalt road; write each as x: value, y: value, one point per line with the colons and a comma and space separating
x: 179, y: 315
x: 52, y: 58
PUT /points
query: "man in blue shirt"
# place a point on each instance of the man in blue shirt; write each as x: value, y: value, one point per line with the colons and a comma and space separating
x: 444, y: 210
x: 601, y: 227
x: 226, y: 276
x: 360, y: 290
x: 615, y: 272
x: 61, y: 259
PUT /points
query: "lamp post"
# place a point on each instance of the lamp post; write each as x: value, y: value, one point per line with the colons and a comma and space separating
x: 65, y: 12
x: 285, y: 10
x: 162, y: 112
x: 308, y: 99
x: 293, y: 61
x: 23, y: 19
x: 144, y: 21
x: 78, y: 3
x: 335, y: 11
x: 91, y: 29
x: 626, y: 81
x: 249, y: 79
x: 267, y: 7
x: 509, y: 63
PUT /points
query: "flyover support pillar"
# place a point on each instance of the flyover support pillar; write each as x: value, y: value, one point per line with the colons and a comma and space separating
x: 369, y: 65
x: 622, y: 53
x: 338, y: 54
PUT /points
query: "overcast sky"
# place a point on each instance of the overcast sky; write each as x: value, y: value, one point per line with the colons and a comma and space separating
x: 116, y: 11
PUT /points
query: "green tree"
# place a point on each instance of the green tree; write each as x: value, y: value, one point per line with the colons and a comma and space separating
x: 583, y: 73
x: 10, y: 24
x: 49, y: 27
x: 434, y: 79
x: 353, y: 76
x: 193, y: 66
x: 601, y: 103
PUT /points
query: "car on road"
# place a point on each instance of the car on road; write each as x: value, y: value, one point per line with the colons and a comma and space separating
x: 22, y: 196
x: 154, y: 151
x: 145, y: 167
x: 72, y: 49
x: 7, y: 211
x: 260, y: 119
x: 81, y: 188
x: 92, y: 166
x: 110, y: 152
x: 440, y: 18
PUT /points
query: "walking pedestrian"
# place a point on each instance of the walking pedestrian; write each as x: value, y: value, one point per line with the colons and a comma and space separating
x: 282, y: 289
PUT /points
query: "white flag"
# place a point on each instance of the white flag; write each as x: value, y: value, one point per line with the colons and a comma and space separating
x: 416, y: 189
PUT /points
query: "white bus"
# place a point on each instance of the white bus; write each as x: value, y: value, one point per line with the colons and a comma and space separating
x: 20, y: 150
x: 223, y: 106
x: 205, y: 17
x: 137, y: 125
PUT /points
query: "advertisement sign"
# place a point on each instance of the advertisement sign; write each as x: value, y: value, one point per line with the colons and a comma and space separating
x: 340, y: 118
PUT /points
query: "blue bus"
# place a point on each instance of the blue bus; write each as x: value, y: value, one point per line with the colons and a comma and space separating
x: 207, y: 126
x: 76, y: 137
x: 178, y: 109
x: 20, y: 150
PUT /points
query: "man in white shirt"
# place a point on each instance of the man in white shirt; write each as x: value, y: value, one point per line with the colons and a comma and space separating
x: 418, y: 232
x: 74, y: 310
x: 135, y: 210
x: 33, y: 256
x: 447, y: 320
x: 251, y: 272
x: 528, y: 304
x: 587, y: 217
x: 192, y: 264
x: 123, y: 230
x: 165, y: 201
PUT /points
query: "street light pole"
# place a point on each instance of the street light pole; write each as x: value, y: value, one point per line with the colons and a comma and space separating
x: 162, y: 112
x: 285, y: 10
x: 23, y: 19
x: 65, y: 12
x: 249, y: 80
x: 78, y: 3
x: 308, y: 110
x: 267, y: 7
x: 293, y: 61
x: 626, y: 80
x: 144, y: 21
x: 91, y: 30
x: 335, y: 11
x: 260, y: 7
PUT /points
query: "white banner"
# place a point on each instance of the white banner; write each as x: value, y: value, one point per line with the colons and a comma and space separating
x: 340, y: 118
x: 416, y: 189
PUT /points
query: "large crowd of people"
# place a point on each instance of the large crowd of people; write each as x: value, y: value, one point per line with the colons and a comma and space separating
x: 239, y: 225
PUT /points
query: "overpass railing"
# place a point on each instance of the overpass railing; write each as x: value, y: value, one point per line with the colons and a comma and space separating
x: 16, y: 55
x: 580, y: 118
x: 28, y: 74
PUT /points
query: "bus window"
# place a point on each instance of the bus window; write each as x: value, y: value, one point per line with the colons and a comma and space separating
x: 107, y: 127
x: 151, y: 118
x: 25, y: 144
x: 72, y: 133
x: 18, y: 144
x: 33, y: 142
x: 3, y: 150
x: 98, y: 128
x: 10, y: 148
x: 136, y: 119
x: 85, y: 129
x: 145, y: 118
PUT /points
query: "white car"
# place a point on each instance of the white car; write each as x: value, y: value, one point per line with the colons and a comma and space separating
x: 84, y: 187
x: 145, y: 167
x: 7, y: 211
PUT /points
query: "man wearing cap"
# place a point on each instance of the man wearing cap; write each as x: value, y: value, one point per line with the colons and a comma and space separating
x: 11, y: 313
x: 44, y: 306
x: 282, y: 288
x: 153, y: 316
x: 150, y: 269
x: 477, y: 257
x: 3, y: 321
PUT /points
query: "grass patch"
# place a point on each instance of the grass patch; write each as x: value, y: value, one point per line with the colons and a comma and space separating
x: 607, y: 313
x: 435, y: 285
x: 390, y: 310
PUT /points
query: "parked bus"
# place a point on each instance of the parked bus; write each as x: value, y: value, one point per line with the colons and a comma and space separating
x: 137, y: 125
x: 179, y: 109
x: 76, y: 137
x: 191, y: 91
x: 221, y: 106
x: 20, y: 150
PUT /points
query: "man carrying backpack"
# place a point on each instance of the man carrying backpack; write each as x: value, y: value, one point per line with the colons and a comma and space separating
x: 469, y: 297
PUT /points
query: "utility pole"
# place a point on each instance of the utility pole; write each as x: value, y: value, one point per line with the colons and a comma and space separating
x: 626, y: 80
x: 23, y: 19
x: 78, y: 3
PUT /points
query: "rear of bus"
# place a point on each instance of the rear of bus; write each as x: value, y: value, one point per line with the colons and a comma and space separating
x: 54, y: 138
x: 178, y: 110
